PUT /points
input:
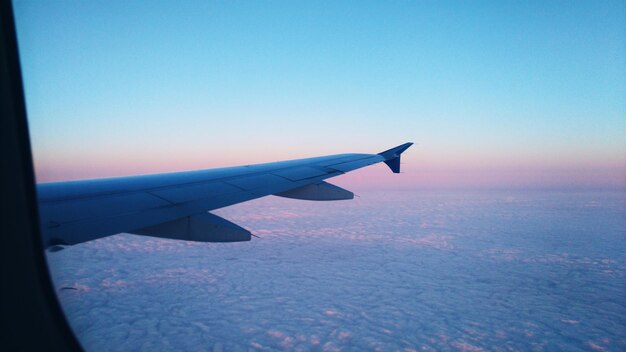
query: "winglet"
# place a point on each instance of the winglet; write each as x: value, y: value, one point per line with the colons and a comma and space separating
x: 392, y: 156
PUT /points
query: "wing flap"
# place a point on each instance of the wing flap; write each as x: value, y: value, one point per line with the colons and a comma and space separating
x: 187, y: 193
x: 299, y: 173
x: 204, y: 227
x: 318, y: 191
x: 257, y: 181
x: 353, y: 165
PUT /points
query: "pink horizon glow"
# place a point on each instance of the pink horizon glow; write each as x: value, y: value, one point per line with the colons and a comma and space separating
x: 418, y: 171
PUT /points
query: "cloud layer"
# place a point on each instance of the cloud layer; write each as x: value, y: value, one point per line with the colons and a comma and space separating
x: 386, y: 272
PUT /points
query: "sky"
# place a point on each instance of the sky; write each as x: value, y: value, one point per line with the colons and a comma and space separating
x: 494, y: 94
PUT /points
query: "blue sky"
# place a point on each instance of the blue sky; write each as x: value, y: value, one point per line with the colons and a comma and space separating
x: 115, y: 88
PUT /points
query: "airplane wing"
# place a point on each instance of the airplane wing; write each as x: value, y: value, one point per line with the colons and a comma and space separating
x: 176, y: 205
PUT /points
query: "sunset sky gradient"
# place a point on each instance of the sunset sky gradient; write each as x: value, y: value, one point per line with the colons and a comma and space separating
x: 494, y: 94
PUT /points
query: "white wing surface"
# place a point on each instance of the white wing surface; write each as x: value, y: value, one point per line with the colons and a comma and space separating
x: 176, y: 205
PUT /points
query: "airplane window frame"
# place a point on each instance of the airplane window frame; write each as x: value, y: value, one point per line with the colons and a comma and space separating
x: 31, y: 314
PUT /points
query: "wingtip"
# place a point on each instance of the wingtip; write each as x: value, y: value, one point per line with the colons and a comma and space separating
x: 392, y: 156
x: 395, y: 151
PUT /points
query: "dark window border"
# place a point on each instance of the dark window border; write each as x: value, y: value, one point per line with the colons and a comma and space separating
x: 32, y: 319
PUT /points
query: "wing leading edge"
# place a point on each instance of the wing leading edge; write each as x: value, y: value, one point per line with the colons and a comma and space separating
x: 173, y: 205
